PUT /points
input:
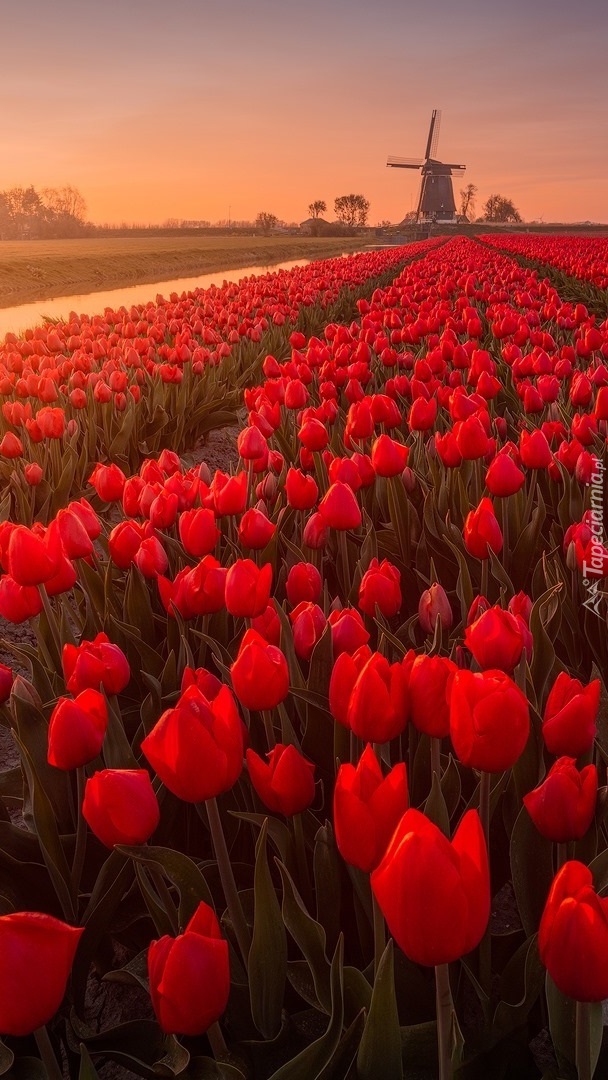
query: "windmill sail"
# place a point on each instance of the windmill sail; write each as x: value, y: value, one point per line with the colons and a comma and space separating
x: 436, y: 198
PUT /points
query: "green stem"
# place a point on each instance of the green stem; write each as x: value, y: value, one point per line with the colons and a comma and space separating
x: 531, y: 497
x: 505, y: 534
x: 81, y: 835
x: 233, y: 900
x: 302, y: 863
x: 445, y: 1010
x: 164, y: 896
x: 562, y: 855
x: 485, y: 573
x: 583, y: 1041
x: 47, y: 1054
x: 435, y: 757
x: 269, y: 728
x: 379, y: 933
x: 217, y: 1042
x: 484, y: 805
x: 52, y: 621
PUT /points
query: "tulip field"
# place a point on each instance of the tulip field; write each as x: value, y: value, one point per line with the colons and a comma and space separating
x: 306, y: 760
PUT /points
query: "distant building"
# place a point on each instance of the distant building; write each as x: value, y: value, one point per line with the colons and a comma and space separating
x: 314, y: 226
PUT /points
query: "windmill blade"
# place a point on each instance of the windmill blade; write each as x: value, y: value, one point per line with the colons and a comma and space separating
x: 404, y: 162
x: 431, y: 144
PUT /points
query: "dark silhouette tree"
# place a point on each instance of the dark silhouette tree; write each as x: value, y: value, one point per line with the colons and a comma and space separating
x: 351, y: 210
x: 316, y: 208
x: 467, y: 202
x: 499, y: 208
x: 265, y: 221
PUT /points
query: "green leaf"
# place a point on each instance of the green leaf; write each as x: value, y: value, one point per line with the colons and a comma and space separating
x: 520, y: 986
x: 48, y: 835
x: 181, y: 870
x: 562, y: 1025
x: 531, y: 870
x: 380, y: 1049
x: 435, y: 808
x: 314, y: 1059
x: 267, y: 961
x: 6, y: 1058
x: 309, y: 936
x: 87, y: 1070
x: 326, y: 869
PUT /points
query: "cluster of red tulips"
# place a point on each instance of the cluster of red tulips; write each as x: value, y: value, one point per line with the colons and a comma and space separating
x: 586, y: 259
x: 349, y: 695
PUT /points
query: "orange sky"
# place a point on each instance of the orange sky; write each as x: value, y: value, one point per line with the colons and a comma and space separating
x: 191, y: 108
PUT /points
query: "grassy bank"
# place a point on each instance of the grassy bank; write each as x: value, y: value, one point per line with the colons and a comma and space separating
x: 39, y: 269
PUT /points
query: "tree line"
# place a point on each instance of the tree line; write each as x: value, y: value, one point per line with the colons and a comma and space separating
x: 48, y: 214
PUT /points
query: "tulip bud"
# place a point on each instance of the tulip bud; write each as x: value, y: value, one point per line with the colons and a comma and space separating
x: 434, y: 605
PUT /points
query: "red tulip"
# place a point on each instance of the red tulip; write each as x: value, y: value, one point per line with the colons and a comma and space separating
x: 569, y: 720
x: 389, y: 458
x: 108, y: 481
x: 482, y: 532
x: 433, y: 605
x: 367, y: 809
x: 563, y: 806
x: 489, y: 720
x: 190, y: 976
x: 308, y: 623
x: 198, y: 532
x: 496, y: 639
x: 196, y: 748
x: 255, y: 529
x: 76, y: 729
x: 248, y: 588
x: 380, y: 586
x: 95, y: 663
x: 120, y: 806
x: 18, y: 602
x: 378, y: 705
x: 348, y: 631
x: 260, y: 675
x: 38, y: 953
x: 573, y: 935
x: 435, y: 895
x: 339, y: 508
x: 304, y: 582
x: 286, y: 783
x: 301, y: 490
x: 504, y: 477
x: 430, y: 687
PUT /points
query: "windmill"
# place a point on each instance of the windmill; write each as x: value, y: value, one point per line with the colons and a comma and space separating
x: 436, y: 199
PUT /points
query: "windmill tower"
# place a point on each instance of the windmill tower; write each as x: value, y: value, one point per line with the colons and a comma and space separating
x: 436, y: 199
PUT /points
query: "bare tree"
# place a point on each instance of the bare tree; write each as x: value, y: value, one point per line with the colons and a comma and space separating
x: 351, y: 210
x: 316, y: 208
x: 265, y: 221
x: 499, y: 208
x: 65, y: 202
x: 467, y: 202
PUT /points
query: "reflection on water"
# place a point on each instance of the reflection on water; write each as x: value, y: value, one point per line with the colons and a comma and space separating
x: 19, y: 318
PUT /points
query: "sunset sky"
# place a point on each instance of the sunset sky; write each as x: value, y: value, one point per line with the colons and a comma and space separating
x: 186, y: 109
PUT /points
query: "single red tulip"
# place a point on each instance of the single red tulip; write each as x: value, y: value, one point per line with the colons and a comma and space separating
x: 120, y: 806
x: 569, y: 719
x: 196, y: 748
x: 190, y: 976
x: 38, y: 952
x: 573, y: 935
x: 77, y: 729
x: 367, y: 809
x: 285, y: 783
x: 563, y: 806
x: 95, y: 663
x: 260, y: 675
x: 489, y: 720
x: 433, y: 893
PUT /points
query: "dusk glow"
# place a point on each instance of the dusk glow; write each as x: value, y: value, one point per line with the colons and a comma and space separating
x: 194, y: 110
